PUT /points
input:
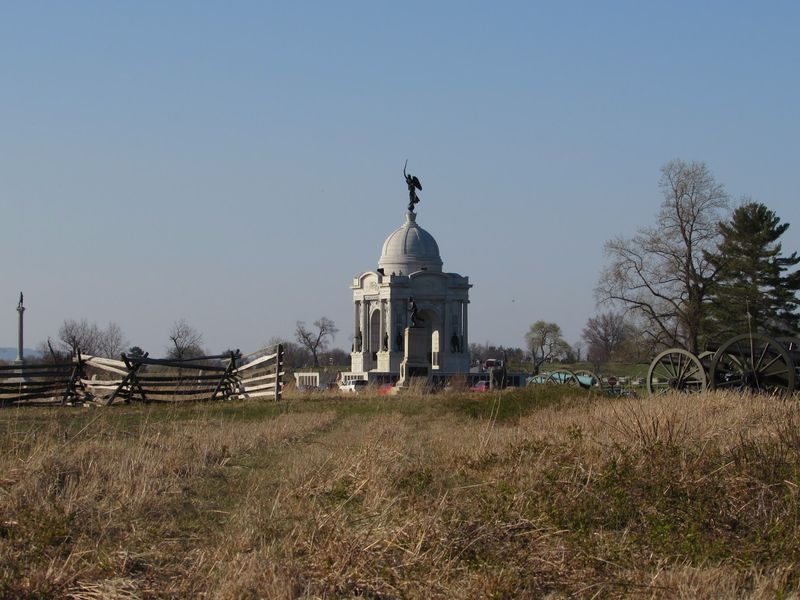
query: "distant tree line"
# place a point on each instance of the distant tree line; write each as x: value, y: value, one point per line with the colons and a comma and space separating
x: 90, y: 338
x: 480, y: 352
x: 184, y: 341
x: 312, y: 348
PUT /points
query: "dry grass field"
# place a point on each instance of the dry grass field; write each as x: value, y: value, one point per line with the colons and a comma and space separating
x: 546, y: 492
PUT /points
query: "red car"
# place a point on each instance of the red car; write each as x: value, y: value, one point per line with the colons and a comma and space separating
x: 481, y: 386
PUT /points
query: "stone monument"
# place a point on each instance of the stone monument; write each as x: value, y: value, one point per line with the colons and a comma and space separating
x: 409, y: 271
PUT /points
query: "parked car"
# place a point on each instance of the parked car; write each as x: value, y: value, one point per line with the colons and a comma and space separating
x: 385, y: 389
x: 355, y: 386
x: 481, y: 386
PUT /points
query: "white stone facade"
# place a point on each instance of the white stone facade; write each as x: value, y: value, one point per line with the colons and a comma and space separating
x: 410, y: 267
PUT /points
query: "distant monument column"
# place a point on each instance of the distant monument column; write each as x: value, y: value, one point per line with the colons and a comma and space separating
x: 20, y: 309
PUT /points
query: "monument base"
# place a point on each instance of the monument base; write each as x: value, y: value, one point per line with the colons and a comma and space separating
x: 415, y: 365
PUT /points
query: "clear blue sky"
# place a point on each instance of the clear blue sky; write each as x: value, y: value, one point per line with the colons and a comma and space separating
x: 236, y: 164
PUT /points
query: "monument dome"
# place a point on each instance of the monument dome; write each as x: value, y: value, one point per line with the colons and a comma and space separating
x: 409, y: 249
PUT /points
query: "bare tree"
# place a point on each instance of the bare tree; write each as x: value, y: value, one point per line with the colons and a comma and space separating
x: 74, y: 335
x: 335, y: 356
x: 185, y: 341
x: 637, y: 346
x: 604, y: 335
x: 545, y: 343
x: 111, y: 341
x: 50, y: 354
x: 294, y: 355
x: 316, y: 340
x: 89, y: 339
x: 661, y: 274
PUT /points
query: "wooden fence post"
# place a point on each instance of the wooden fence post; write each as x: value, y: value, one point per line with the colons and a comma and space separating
x: 77, y: 373
x: 278, y: 369
x: 226, y: 376
x: 129, y: 380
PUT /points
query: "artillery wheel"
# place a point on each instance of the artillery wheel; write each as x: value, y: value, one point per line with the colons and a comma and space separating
x: 676, y: 370
x: 563, y: 377
x: 594, y: 380
x: 792, y: 344
x: 536, y: 380
x: 754, y: 363
x: 705, y: 356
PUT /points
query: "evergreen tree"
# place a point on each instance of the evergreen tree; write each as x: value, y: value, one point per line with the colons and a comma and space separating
x: 752, y: 276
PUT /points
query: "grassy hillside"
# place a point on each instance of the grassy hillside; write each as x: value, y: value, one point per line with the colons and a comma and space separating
x: 524, y: 493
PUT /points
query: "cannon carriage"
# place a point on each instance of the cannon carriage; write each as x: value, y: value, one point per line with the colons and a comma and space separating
x: 747, y: 362
x: 583, y: 378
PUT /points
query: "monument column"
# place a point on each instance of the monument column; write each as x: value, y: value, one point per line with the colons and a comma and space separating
x: 20, y: 309
x: 466, y: 322
x: 365, y: 330
x: 390, y: 325
x: 383, y: 324
x: 357, y: 306
x: 444, y: 338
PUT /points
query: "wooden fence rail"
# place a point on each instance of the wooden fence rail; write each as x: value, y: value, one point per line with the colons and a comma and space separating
x: 101, y: 380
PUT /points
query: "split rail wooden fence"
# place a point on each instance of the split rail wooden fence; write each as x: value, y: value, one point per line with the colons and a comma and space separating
x: 99, y: 380
x: 39, y: 383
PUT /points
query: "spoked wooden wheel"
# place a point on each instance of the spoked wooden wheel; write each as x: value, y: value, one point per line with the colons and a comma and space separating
x: 676, y: 370
x: 792, y: 345
x: 705, y: 355
x: 753, y: 363
x: 536, y: 380
x: 563, y: 377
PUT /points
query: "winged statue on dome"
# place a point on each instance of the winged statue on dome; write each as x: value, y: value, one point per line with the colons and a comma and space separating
x: 413, y: 185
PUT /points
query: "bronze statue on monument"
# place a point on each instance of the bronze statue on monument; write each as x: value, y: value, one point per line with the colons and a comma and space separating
x: 413, y: 185
x: 413, y: 318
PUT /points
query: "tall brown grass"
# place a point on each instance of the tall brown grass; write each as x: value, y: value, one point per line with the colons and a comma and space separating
x: 404, y: 497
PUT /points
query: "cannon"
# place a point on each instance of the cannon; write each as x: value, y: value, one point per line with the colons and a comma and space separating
x: 747, y: 362
x: 582, y: 378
